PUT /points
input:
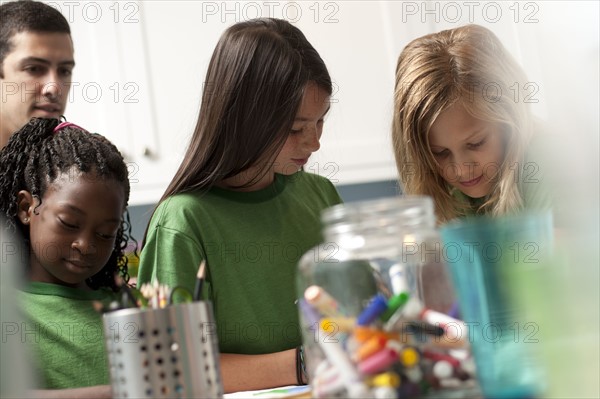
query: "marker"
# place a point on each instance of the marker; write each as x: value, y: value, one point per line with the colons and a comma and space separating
x: 410, y: 310
x: 442, y: 369
x: 327, y: 387
x: 310, y: 314
x: 374, y: 309
x: 394, y: 304
x: 322, y: 301
x: 409, y: 357
x: 326, y: 380
x: 343, y: 324
x: 371, y: 346
x: 455, y: 330
x: 398, y: 279
x: 413, y: 308
x: 348, y: 375
x: 378, y: 361
x: 387, y: 379
x: 423, y: 328
x: 362, y: 333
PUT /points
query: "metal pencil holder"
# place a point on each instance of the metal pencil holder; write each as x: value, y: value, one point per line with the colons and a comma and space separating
x: 164, y: 353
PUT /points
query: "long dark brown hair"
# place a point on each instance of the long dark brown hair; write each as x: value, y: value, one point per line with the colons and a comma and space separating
x: 253, y: 89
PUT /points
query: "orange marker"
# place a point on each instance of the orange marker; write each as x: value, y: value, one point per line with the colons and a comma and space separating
x: 371, y: 346
x: 362, y: 334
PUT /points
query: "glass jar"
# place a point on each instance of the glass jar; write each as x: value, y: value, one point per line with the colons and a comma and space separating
x: 379, y: 270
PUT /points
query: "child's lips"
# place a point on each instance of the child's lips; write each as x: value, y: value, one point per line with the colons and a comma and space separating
x: 472, y: 182
x: 78, y: 264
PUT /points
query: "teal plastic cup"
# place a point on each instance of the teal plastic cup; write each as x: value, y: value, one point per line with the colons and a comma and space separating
x: 485, y: 257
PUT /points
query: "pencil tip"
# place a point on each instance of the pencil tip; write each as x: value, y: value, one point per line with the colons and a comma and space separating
x: 201, y: 270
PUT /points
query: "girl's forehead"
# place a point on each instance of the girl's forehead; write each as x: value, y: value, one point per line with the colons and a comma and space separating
x: 74, y: 175
x: 77, y: 186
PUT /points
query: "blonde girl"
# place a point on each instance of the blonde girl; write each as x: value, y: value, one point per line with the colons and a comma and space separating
x: 462, y: 128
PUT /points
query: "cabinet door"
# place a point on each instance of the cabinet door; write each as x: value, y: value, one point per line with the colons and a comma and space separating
x: 141, y: 67
x: 138, y: 80
x: 112, y: 92
x: 356, y: 41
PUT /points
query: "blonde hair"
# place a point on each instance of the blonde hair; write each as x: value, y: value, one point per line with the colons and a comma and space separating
x: 467, y: 65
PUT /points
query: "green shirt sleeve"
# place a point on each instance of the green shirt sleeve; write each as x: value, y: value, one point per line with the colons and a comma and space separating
x: 170, y: 256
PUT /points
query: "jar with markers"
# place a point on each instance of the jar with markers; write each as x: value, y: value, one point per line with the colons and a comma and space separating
x: 374, y: 302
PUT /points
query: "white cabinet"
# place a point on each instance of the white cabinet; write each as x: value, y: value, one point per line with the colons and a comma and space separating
x: 146, y: 60
x: 141, y: 67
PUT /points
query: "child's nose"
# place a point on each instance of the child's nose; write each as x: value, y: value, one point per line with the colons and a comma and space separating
x: 464, y: 165
x: 312, y: 139
x: 84, y: 244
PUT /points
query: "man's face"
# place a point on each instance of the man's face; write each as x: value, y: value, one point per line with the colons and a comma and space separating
x: 36, y: 79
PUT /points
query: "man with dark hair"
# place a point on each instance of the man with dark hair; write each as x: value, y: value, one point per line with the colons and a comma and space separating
x: 36, y: 62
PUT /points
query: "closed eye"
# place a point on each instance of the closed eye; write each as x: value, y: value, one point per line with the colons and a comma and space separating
x: 67, y: 225
x: 478, y: 144
x: 106, y: 236
x: 440, y: 154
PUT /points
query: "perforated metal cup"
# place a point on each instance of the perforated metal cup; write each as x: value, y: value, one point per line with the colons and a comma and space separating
x: 164, y: 353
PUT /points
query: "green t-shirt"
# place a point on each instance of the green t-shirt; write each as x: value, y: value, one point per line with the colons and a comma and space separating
x: 64, y: 334
x: 252, y: 242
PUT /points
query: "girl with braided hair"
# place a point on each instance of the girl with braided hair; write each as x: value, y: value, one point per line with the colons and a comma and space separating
x: 66, y: 191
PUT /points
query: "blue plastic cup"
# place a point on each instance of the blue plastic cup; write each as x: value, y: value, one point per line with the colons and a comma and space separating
x: 484, y: 256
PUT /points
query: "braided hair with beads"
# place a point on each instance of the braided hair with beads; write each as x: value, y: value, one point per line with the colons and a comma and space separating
x: 36, y: 155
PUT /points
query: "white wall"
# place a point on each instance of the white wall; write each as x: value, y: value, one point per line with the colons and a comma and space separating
x: 141, y: 65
